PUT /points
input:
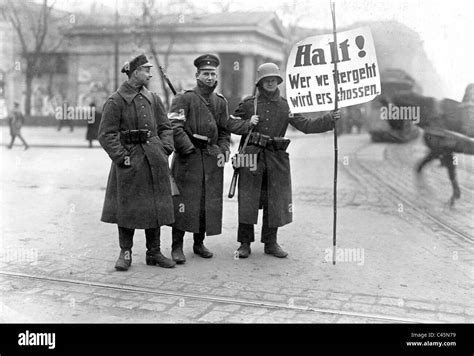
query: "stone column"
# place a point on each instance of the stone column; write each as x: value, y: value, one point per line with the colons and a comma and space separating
x: 248, y: 72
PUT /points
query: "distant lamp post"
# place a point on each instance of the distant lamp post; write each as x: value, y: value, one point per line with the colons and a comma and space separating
x: 116, y: 46
x: 2, y: 84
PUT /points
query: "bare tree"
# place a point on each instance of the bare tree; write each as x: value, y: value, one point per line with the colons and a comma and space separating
x: 180, y: 7
x: 224, y: 6
x: 150, y: 19
x: 33, y: 28
x: 292, y: 13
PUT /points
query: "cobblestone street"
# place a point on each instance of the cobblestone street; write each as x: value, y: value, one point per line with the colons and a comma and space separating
x: 57, y: 258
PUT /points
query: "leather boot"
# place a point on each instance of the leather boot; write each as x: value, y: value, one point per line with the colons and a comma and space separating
x: 202, y: 251
x: 155, y: 257
x: 272, y: 248
x: 124, y: 261
x: 244, y: 250
x: 153, y: 253
x: 199, y: 248
x: 177, y: 247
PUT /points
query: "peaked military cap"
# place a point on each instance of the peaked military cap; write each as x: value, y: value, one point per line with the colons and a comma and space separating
x: 139, y: 61
x: 207, y: 61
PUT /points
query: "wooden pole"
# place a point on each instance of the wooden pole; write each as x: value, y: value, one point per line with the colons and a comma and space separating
x: 333, y: 11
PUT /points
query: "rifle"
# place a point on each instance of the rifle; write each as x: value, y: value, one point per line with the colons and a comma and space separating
x: 235, y: 177
x: 165, y: 77
x: 174, y: 186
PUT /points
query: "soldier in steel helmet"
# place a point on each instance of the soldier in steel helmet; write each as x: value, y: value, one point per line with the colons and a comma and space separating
x: 269, y: 185
x: 199, y: 118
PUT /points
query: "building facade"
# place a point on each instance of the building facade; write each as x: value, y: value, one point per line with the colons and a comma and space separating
x: 85, y: 68
x: 241, y: 40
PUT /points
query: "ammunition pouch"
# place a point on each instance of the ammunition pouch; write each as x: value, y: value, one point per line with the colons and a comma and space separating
x: 280, y: 143
x: 259, y: 139
x: 135, y: 136
x: 199, y: 141
x: 264, y: 141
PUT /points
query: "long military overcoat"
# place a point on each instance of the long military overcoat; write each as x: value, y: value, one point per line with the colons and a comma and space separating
x: 138, y: 196
x: 203, y: 112
x: 275, y: 116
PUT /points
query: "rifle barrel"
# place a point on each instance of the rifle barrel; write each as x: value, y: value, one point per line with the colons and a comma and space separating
x: 170, y: 85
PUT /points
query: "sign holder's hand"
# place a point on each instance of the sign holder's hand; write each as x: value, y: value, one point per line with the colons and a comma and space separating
x: 254, y: 120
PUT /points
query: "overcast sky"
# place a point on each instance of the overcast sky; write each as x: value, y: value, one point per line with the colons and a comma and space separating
x: 446, y: 27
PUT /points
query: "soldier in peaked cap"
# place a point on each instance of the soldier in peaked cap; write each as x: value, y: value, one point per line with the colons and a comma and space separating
x: 206, y: 61
x: 138, y: 137
x: 268, y: 187
x: 199, y: 119
x: 138, y: 62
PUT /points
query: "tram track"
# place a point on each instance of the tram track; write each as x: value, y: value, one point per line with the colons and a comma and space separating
x: 373, y: 317
x: 362, y: 172
x: 398, y: 155
x: 357, y: 168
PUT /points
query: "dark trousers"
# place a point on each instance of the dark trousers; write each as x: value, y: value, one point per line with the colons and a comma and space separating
x: 178, y: 236
x: 19, y: 136
x: 245, y: 232
x: 152, y: 238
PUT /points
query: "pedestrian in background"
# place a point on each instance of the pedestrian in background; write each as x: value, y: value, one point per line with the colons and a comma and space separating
x: 199, y: 118
x: 268, y: 187
x: 16, y: 121
x: 137, y: 135
x: 93, y: 125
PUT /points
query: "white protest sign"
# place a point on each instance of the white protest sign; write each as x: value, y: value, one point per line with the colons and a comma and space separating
x: 310, y: 75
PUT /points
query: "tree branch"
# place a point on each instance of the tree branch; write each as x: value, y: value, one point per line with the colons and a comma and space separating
x: 16, y: 23
x: 45, y: 14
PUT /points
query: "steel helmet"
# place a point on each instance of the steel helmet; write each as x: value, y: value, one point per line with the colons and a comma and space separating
x: 268, y: 70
